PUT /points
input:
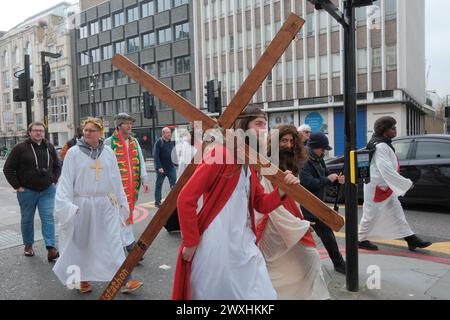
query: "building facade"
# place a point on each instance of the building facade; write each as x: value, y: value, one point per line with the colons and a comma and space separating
x: 46, y: 31
x: 156, y: 35
x: 306, y: 86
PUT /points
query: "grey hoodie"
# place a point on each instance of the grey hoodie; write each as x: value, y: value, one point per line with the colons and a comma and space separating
x: 89, y: 151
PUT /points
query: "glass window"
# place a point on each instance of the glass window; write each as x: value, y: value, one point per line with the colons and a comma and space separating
x: 94, y: 28
x: 107, y: 52
x: 6, y: 79
x: 289, y: 70
x: 148, y: 40
x: 134, y: 44
x: 376, y: 60
x: 99, y: 109
x: 323, y: 66
x: 182, y: 31
x: 180, y: 2
x: 165, y: 68
x: 432, y: 150
x: 182, y: 65
x: 19, y: 121
x: 300, y: 69
x: 361, y: 16
x: 107, y: 79
x: 84, y: 84
x: 163, y: 5
x: 401, y: 149
x: 119, y: 19
x: 52, y: 79
x: 323, y: 21
x: 391, y: 57
x: 148, y: 9
x: 362, y: 60
x: 164, y: 35
x: 109, y: 108
x: 121, y: 78
x: 5, y: 60
x: 95, y: 53
x: 310, y: 24
x: 62, y: 77
x: 135, y: 104
x: 106, y: 24
x: 150, y: 68
x: 336, y: 64
x: 391, y: 9
x: 119, y: 47
x: 53, y: 110
x: 312, y: 68
x: 63, y: 108
x: 16, y: 56
x: 84, y: 32
x: 185, y: 94
x: 122, y: 106
x: 133, y: 14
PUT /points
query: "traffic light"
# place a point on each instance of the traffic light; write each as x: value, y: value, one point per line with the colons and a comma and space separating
x: 210, y: 102
x: 149, y: 105
x: 447, y: 112
x: 46, y: 78
x: 20, y: 94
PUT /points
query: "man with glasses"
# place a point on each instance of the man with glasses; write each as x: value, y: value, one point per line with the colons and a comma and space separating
x: 383, y: 216
x: 305, y: 133
x: 33, y: 169
x: 132, y: 169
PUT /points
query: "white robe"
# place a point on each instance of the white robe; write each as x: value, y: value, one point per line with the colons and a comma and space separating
x: 127, y: 233
x: 90, y: 223
x: 185, y: 152
x: 295, y: 269
x: 227, y: 264
x: 384, y: 220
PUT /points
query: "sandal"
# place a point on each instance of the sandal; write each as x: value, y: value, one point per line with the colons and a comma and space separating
x: 28, y: 251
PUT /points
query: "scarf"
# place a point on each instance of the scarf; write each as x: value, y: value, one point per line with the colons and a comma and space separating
x: 129, y: 166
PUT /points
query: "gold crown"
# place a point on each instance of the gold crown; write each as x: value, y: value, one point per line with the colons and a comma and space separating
x: 95, y: 121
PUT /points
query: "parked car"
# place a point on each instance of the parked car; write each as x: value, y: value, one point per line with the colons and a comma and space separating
x: 425, y: 159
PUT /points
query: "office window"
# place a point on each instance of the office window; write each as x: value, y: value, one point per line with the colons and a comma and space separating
x: 84, y: 59
x: 121, y: 78
x: 94, y: 28
x: 164, y: 35
x: 133, y: 14
x: 62, y: 77
x: 362, y: 61
x: 99, y: 109
x: 134, y: 44
x: 63, y: 109
x: 109, y: 108
x: 323, y: 21
x: 53, y: 110
x: 119, y: 47
x: 150, y: 68
x: 19, y: 121
x: 182, y: 65
x: 182, y: 31
x: 361, y: 16
x: 6, y: 79
x: 107, y: 52
x: 336, y: 64
x: 107, y: 80
x: 84, y: 32
x: 106, y: 24
x: 391, y: 9
x: 312, y: 68
x: 391, y: 57
x: 187, y: 94
x: 135, y: 104
x: 122, y: 106
x: 310, y: 24
x: 52, y: 79
x: 376, y: 60
x: 16, y: 56
x: 300, y: 69
x: 148, y: 40
x: 323, y: 66
x: 95, y: 53
x: 148, y: 9
x: 119, y: 19
x: 163, y: 5
x: 165, y: 68
x: 180, y: 2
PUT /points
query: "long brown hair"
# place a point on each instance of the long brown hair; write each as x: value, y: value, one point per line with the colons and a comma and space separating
x: 290, y: 161
x: 248, y: 115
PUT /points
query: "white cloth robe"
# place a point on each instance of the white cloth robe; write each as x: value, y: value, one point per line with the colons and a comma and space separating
x: 127, y: 230
x: 295, y: 269
x: 90, y: 236
x: 185, y: 152
x: 384, y: 220
x: 227, y: 264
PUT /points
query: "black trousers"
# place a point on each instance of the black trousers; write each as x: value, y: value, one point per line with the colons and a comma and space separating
x: 327, y: 236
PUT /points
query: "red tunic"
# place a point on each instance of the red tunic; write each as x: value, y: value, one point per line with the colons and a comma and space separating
x: 216, y: 182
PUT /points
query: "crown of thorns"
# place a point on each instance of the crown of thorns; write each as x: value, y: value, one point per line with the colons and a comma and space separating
x: 97, y: 122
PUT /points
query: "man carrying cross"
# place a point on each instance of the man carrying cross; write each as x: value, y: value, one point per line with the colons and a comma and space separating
x: 227, y: 263
x: 90, y: 207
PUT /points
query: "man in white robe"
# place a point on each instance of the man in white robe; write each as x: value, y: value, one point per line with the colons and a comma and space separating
x: 383, y: 216
x: 90, y: 207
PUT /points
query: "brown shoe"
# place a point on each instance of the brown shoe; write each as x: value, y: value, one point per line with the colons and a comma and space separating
x: 52, y: 255
x: 28, y: 251
x: 85, y: 287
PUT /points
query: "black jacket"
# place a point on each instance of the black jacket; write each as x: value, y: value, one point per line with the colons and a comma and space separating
x: 314, y: 177
x: 20, y: 166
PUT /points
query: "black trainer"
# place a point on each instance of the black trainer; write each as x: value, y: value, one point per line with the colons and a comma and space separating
x: 340, y: 268
x: 367, y: 245
x: 415, y: 242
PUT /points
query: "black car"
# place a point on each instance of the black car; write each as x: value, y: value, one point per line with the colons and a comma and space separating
x: 425, y: 159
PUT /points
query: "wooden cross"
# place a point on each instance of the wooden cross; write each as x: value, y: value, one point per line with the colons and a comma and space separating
x: 244, y: 95
x: 97, y: 169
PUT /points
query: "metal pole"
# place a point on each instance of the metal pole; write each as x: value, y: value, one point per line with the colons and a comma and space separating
x: 27, y: 89
x: 350, y: 111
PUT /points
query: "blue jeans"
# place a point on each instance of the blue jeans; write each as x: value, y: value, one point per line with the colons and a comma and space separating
x: 29, y: 200
x: 172, y: 175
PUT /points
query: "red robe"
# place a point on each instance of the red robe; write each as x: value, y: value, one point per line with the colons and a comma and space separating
x: 216, y: 182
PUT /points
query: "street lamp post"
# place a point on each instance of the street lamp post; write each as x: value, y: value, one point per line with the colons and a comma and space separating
x: 45, y: 82
x: 92, y: 80
x: 347, y: 20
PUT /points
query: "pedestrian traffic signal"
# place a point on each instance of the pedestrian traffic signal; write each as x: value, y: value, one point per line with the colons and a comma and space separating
x: 149, y: 105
